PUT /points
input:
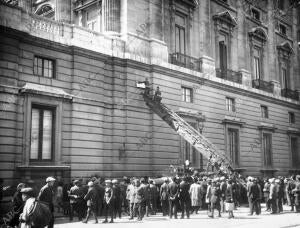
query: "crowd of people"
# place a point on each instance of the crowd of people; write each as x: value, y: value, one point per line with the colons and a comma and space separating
x: 140, y: 197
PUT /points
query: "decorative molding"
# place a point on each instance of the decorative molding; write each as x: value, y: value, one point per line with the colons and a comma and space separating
x: 259, y: 34
x: 43, y: 167
x: 294, y: 131
x: 233, y: 120
x: 266, y: 126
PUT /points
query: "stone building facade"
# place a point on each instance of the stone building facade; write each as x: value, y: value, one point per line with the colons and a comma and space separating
x: 70, y: 106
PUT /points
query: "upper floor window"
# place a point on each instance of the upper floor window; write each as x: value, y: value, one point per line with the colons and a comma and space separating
x: 187, y: 94
x: 180, y: 33
x: 298, y: 34
x: 42, y: 133
x: 284, y: 75
x: 230, y: 104
x: 291, y: 117
x: 43, y: 67
x: 257, y: 63
x: 264, y: 111
x: 223, y: 53
x: 282, y: 29
x: 255, y: 14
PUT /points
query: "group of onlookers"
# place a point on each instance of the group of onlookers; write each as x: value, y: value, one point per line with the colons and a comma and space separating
x: 139, y: 197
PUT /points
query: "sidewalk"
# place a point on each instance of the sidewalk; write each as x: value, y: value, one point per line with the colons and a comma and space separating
x: 286, y: 219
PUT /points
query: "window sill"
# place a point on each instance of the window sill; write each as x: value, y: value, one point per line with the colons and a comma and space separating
x: 267, y: 126
x: 232, y: 120
x: 292, y: 130
x: 264, y: 170
x: 43, y: 167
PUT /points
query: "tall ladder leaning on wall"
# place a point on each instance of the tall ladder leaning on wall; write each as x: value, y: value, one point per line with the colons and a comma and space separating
x: 216, y: 157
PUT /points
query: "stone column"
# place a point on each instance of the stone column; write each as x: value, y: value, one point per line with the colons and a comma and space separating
x: 63, y: 11
x: 123, y: 19
x: 111, y: 16
x: 246, y: 77
x: 26, y: 5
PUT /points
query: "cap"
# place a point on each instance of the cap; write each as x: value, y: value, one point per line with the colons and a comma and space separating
x: 114, y: 181
x: 20, y: 186
x: 91, y: 183
x: 26, y: 190
x: 76, y: 181
x: 107, y: 181
x: 277, y: 181
x: 49, y: 179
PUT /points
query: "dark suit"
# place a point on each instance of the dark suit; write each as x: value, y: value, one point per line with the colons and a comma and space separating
x: 185, y: 199
x: 173, y: 199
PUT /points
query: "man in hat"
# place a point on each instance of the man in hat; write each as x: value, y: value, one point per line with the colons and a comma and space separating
x: 289, y: 189
x: 173, y: 192
x: 92, y: 200
x: 184, y: 197
x: 153, y: 197
x: 273, y: 195
x: 164, y: 196
x: 76, y: 200
x: 254, y: 195
x: 139, y: 198
x: 130, y: 195
x: 108, y: 202
x: 27, y: 197
x: 296, y: 192
x: 46, y: 195
x: 117, y: 207
x: 18, y: 204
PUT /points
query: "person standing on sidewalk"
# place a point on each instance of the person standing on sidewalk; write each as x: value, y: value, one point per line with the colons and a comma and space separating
x: 164, y: 197
x: 46, y: 195
x: 184, y: 197
x: 76, y: 200
x: 254, y: 195
x: 130, y: 195
x: 138, y: 200
x: 229, y: 205
x: 173, y: 192
x: 92, y: 201
x: 196, y: 196
x: 266, y: 191
x: 108, y: 202
x: 153, y: 197
x: 117, y: 198
x: 273, y: 195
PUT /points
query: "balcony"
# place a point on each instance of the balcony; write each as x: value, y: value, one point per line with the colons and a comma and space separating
x: 288, y: 93
x: 263, y: 85
x: 229, y: 75
x: 186, y: 61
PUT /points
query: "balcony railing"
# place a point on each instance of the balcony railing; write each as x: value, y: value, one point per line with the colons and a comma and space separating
x: 290, y: 94
x: 263, y: 85
x: 185, y: 61
x: 229, y: 75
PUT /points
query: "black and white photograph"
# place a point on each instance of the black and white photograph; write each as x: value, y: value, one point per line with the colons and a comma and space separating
x: 150, y: 113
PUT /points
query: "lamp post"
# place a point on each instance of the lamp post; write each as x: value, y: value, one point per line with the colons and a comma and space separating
x: 186, y: 166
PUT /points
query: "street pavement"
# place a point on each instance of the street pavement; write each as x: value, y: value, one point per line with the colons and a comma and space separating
x: 241, y: 218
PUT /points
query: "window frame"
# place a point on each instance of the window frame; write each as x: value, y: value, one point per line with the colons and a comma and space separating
x: 36, y: 67
x: 294, y: 161
x: 232, y: 106
x: 257, y: 12
x: 265, y: 114
x: 184, y: 94
x: 282, y: 29
x: 235, y: 158
x: 292, y: 118
x: 264, y: 162
x: 40, y: 139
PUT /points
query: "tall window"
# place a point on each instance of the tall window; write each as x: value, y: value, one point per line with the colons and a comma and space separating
x: 284, y: 75
x: 43, y: 67
x: 233, y: 145
x: 282, y: 29
x: 187, y: 94
x: 264, y: 111
x: 191, y: 154
x: 267, y: 149
x: 180, y: 34
x: 223, y: 53
x: 294, y: 152
x: 255, y: 14
x: 42, y: 130
x: 256, y: 63
x: 281, y: 4
x: 230, y: 104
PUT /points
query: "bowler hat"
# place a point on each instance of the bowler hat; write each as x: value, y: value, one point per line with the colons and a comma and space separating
x: 26, y: 190
x: 49, y: 179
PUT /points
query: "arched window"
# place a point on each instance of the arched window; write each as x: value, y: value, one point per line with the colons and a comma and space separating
x: 45, y: 10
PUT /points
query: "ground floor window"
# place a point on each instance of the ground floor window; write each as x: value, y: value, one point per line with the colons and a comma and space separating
x: 42, y: 133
